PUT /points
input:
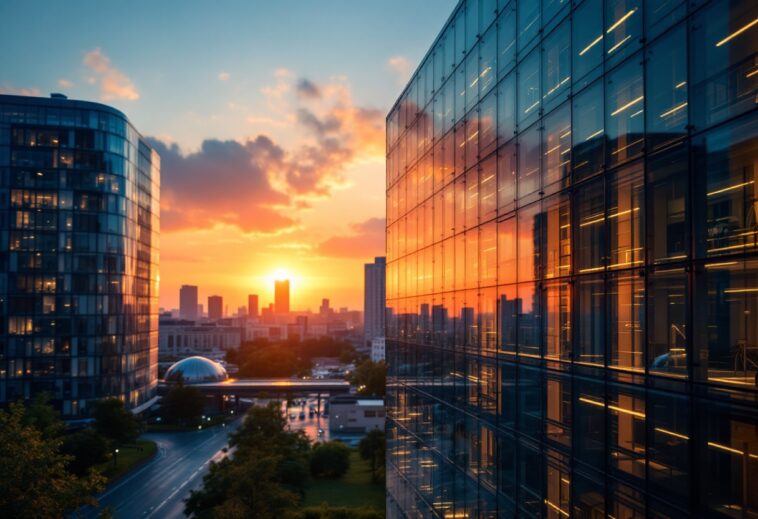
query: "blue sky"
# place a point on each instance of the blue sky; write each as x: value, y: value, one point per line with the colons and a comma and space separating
x: 269, y: 117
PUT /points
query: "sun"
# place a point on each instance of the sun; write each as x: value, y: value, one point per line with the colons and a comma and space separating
x: 281, y: 274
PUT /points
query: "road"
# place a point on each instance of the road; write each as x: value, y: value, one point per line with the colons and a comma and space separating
x: 157, y: 489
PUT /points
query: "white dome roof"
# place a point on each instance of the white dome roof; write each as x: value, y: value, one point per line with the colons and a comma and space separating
x: 196, y: 369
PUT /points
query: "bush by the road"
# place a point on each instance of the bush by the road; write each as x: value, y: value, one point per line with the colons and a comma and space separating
x: 115, y: 422
x: 330, y: 459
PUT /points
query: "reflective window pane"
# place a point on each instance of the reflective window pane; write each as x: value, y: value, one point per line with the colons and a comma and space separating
x: 625, y: 112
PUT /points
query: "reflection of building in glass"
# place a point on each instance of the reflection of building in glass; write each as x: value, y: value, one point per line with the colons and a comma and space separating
x: 78, y: 254
x: 374, y: 295
x: 572, y: 195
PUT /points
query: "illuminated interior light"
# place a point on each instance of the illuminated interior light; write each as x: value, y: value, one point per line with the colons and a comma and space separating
x: 563, y: 136
x: 592, y: 44
x: 631, y: 412
x: 716, y: 265
x: 557, y: 508
x: 551, y: 150
x: 627, y: 146
x: 737, y: 33
x: 732, y: 247
x: 730, y: 449
x: 534, y: 105
x: 567, y: 150
x: 621, y: 20
x: 600, y: 131
x: 680, y: 85
x: 556, y: 87
x: 596, y: 403
x: 619, y: 44
x: 740, y: 290
x: 627, y: 105
x: 635, y: 114
x: 673, y: 110
x: 730, y: 188
x: 751, y: 74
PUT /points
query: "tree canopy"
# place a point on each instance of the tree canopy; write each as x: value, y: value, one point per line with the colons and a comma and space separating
x: 115, y: 422
x: 34, y: 476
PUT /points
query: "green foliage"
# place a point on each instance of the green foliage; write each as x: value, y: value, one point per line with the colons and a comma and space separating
x: 330, y: 459
x: 373, y: 448
x: 115, y: 422
x: 87, y: 449
x: 334, y: 512
x: 41, y: 415
x: 182, y: 404
x: 263, y: 478
x: 370, y: 378
x: 34, y: 479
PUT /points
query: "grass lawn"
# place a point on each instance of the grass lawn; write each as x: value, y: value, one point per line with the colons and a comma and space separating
x: 353, y: 489
x: 129, y: 457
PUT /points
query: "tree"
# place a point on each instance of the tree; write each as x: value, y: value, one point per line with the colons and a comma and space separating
x: 41, y: 415
x: 263, y: 478
x: 373, y: 448
x: 87, y: 448
x: 115, y: 422
x: 182, y: 403
x: 330, y: 460
x: 34, y: 480
x: 371, y: 378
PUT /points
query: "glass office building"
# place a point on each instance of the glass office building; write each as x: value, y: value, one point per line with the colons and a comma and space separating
x: 572, y: 277
x: 79, y: 223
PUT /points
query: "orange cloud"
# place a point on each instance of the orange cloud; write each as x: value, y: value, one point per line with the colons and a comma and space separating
x: 258, y: 185
x: 367, y: 241
x: 113, y: 83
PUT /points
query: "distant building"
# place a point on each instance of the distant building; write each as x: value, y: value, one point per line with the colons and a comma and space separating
x: 252, y: 306
x: 377, y: 349
x: 282, y: 296
x: 355, y: 414
x: 188, y: 302
x: 241, y: 311
x: 215, y: 307
x: 374, y: 299
x: 324, y: 309
x: 182, y: 338
x: 200, y: 311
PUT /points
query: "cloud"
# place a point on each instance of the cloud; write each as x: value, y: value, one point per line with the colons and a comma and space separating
x: 401, y: 67
x: 307, y: 89
x: 11, y: 90
x: 225, y: 182
x: 366, y: 241
x: 260, y: 185
x: 113, y: 83
x: 65, y: 83
x: 224, y: 76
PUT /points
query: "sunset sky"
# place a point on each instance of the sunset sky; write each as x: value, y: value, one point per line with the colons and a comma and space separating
x: 269, y: 118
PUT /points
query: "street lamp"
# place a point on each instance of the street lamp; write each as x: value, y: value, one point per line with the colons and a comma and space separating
x: 115, y: 457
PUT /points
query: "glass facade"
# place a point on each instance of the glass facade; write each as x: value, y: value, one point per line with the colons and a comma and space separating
x: 572, y: 263
x: 79, y: 224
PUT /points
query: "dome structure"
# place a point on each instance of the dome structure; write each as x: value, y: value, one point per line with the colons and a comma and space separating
x: 194, y: 370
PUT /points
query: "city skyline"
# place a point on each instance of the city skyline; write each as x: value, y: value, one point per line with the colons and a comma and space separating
x: 250, y: 116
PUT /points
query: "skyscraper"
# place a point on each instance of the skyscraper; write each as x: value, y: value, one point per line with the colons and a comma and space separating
x: 252, y: 305
x: 79, y: 267
x: 571, y: 199
x: 282, y: 296
x: 188, y: 302
x: 374, y: 299
x: 215, y: 308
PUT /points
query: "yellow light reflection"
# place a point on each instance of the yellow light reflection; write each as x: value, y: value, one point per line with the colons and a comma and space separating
x: 737, y: 33
x: 621, y: 20
x: 627, y: 105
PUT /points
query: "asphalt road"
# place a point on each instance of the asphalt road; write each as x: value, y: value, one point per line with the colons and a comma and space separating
x: 157, y: 489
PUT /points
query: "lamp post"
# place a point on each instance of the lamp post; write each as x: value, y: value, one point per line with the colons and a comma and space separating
x: 115, y: 457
